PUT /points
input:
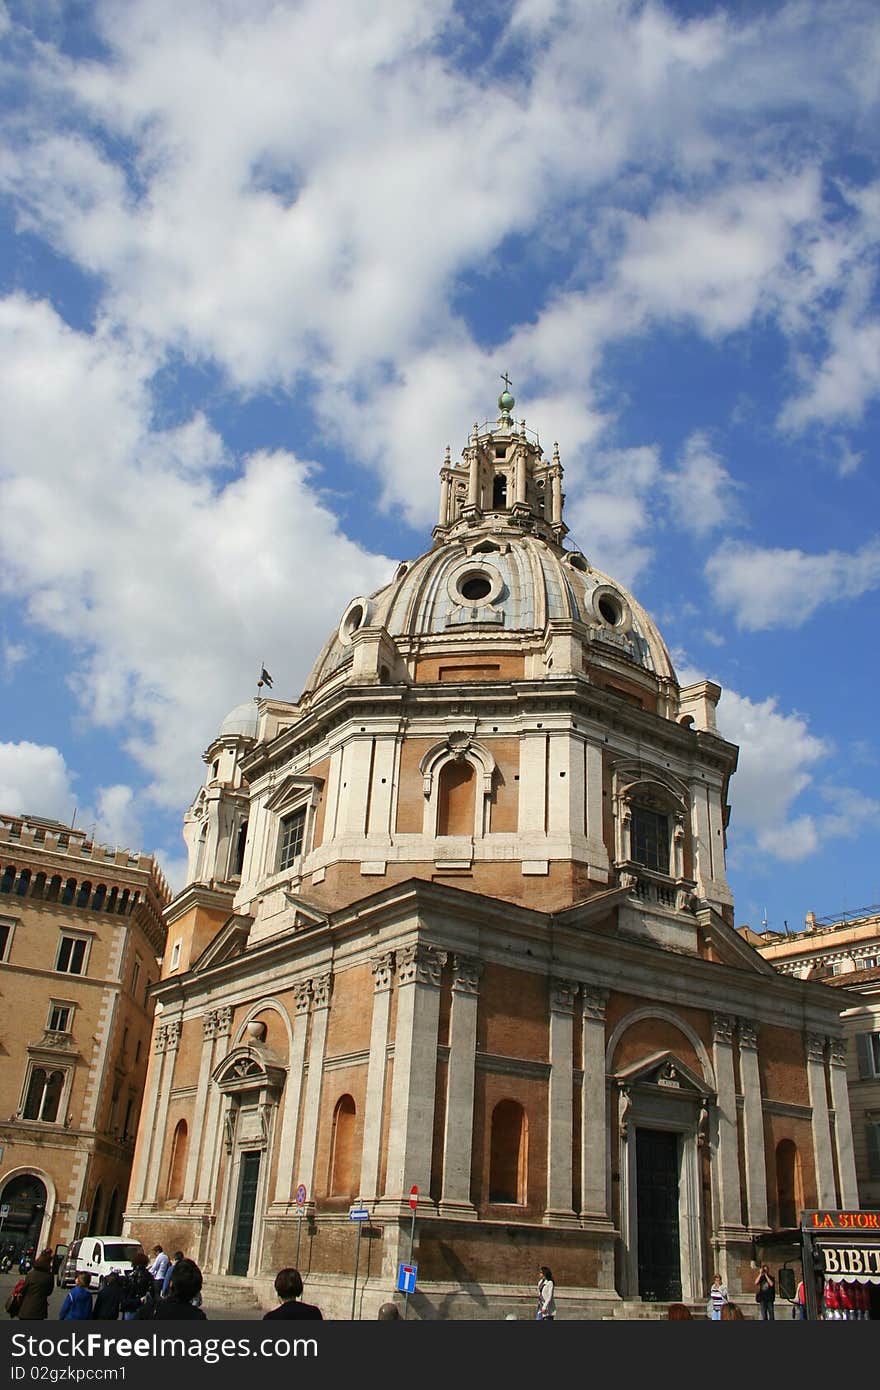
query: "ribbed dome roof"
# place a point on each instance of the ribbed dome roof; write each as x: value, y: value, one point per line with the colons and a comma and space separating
x: 240, y: 721
x: 500, y: 583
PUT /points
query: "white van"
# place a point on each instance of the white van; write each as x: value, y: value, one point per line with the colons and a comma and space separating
x: 97, y: 1255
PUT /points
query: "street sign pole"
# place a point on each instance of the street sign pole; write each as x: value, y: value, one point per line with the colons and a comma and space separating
x: 357, y: 1258
x: 300, y: 1211
x: 413, y: 1201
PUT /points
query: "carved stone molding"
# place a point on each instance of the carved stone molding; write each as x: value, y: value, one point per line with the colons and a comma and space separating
x: 466, y: 972
x: 420, y: 965
x: 837, y: 1052
x: 217, y: 1022
x: 168, y: 1037
x: 815, y: 1047
x: 302, y: 997
x: 562, y: 993
x: 722, y: 1028
x: 382, y: 968
x: 593, y: 1002
x: 748, y: 1034
x: 321, y: 990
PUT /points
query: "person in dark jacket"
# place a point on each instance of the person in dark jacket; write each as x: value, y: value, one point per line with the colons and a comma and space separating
x: 78, y: 1302
x: 289, y: 1287
x: 38, y: 1285
x: 185, y: 1285
x: 108, y: 1299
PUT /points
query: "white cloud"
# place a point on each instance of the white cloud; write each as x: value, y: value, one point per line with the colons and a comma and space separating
x: 776, y: 761
x: 700, y: 489
x: 773, y: 587
x: 170, y: 576
x: 35, y: 780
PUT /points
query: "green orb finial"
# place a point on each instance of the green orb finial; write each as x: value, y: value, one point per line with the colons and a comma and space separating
x: 506, y: 401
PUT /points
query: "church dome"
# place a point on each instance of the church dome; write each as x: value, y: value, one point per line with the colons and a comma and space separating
x: 498, y: 574
x: 241, y: 721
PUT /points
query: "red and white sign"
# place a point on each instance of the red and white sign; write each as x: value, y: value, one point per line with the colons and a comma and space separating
x: 414, y: 1197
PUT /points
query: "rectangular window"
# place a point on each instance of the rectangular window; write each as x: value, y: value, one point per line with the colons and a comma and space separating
x: 137, y: 1050
x: 649, y: 838
x: 60, y: 1018
x: 5, y: 937
x: 127, y: 1121
x: 72, y: 955
x: 175, y: 956
x: 135, y: 976
x: 868, y: 1053
x: 293, y: 830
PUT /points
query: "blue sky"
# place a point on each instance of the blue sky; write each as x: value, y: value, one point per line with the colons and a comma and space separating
x: 260, y: 262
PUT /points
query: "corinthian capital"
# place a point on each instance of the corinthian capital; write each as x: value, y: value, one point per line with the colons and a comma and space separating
x: 420, y: 964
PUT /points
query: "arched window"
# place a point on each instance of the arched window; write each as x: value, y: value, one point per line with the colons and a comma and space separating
x: 8, y: 879
x: 114, y: 1215
x: 54, y: 888
x: 499, y: 492
x: 507, y: 1162
x: 455, y: 799
x: 177, y: 1162
x: 24, y: 883
x: 343, y: 1179
x: 39, y: 886
x: 95, y: 1218
x: 789, y: 1183
x: 97, y: 904
x: 43, y: 1095
x: 69, y: 891
x: 239, y: 848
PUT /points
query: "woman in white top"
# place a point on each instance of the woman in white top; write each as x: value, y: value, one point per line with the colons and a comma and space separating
x: 546, y: 1301
x: 717, y: 1298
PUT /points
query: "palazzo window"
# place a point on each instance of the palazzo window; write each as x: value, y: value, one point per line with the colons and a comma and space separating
x: 868, y: 1050
x: 43, y: 1094
x: 649, y: 839
x: 60, y: 1018
x: 5, y: 937
x: 290, y: 841
x: 507, y: 1162
x: 72, y: 955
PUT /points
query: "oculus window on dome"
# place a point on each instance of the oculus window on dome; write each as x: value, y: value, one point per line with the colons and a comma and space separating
x: 356, y: 616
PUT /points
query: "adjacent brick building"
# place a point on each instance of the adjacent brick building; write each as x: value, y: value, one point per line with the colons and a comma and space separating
x: 458, y: 920
x: 81, y: 936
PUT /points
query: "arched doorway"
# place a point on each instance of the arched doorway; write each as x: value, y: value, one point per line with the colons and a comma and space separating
x: 26, y: 1197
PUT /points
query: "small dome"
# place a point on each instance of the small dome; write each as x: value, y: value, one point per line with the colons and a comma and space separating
x: 242, y: 721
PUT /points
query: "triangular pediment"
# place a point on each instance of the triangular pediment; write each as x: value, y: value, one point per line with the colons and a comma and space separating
x: 291, y: 789
x: 305, y: 914
x: 667, y: 1072
x: 729, y: 948
x: 230, y: 942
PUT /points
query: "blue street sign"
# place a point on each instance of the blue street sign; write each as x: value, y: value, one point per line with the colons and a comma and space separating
x: 358, y: 1214
x: 406, y: 1278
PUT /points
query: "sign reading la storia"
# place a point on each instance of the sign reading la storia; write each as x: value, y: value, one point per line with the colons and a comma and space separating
x: 841, y: 1220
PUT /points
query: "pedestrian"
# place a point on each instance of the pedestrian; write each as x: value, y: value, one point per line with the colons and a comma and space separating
x: 35, y: 1291
x: 546, y: 1296
x: 77, y: 1304
x: 185, y: 1286
x: 178, y: 1255
x: 765, y: 1296
x: 289, y: 1287
x: 679, y: 1312
x: 388, y: 1312
x: 799, y: 1308
x: 108, y: 1299
x: 139, y: 1288
x: 158, y: 1268
x: 731, y: 1313
x: 717, y: 1299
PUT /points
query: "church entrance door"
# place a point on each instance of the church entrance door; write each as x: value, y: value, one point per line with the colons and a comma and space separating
x: 249, y: 1175
x: 659, y: 1257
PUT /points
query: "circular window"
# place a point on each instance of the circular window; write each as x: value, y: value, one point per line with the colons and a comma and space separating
x: 474, y: 583
x: 475, y: 587
x: 355, y: 616
x: 611, y: 608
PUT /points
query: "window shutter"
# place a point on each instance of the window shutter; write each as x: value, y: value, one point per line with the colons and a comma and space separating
x: 872, y: 1133
x: 863, y: 1048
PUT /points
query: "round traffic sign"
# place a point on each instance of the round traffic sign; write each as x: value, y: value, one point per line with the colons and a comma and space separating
x: 414, y: 1197
x: 300, y: 1195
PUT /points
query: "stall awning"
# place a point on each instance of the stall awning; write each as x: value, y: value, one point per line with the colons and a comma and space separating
x: 850, y: 1262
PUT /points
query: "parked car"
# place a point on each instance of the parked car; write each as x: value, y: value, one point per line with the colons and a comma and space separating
x: 97, y: 1255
